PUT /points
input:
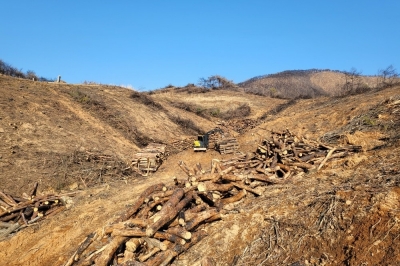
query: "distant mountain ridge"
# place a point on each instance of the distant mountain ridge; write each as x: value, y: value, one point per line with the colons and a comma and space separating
x: 302, y: 83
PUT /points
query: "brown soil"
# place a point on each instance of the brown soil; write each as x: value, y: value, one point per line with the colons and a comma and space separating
x: 346, y: 214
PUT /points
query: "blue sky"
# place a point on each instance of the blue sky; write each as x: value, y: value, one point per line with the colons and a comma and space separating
x: 151, y: 44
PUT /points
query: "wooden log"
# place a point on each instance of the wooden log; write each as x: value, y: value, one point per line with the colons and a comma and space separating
x: 180, y: 231
x: 133, y: 222
x: 151, y: 242
x: 211, y: 186
x: 143, y: 213
x: 200, y: 217
x: 9, y: 217
x: 4, y: 204
x: 164, y: 258
x: 231, y: 178
x: 108, y: 253
x: 133, y: 244
x: 234, y: 198
x: 82, y: 247
x: 326, y: 158
x: 249, y: 189
x: 200, y: 168
x: 184, y: 168
x: 135, y: 207
x: 170, y: 210
x: 7, y: 199
x: 149, y: 254
x: 32, y: 194
x: 135, y: 232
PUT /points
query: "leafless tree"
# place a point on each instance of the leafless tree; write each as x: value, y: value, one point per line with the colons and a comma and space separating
x: 216, y: 82
x: 387, y: 76
x: 353, y: 81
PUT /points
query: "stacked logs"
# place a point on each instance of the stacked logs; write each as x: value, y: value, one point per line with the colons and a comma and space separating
x: 149, y: 158
x: 163, y: 223
x: 180, y: 145
x: 166, y: 221
x: 284, y: 152
x: 227, y: 146
x: 19, y: 212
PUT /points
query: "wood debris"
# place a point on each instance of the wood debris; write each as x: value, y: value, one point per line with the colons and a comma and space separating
x: 149, y: 159
x: 165, y: 221
x: 227, y: 145
x: 20, y: 212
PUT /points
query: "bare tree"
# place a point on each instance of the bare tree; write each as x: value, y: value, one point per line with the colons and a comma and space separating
x: 352, y: 81
x: 387, y: 76
x: 216, y: 82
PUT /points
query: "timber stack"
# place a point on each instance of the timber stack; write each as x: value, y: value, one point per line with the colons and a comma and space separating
x: 180, y: 145
x: 17, y: 213
x: 167, y: 220
x: 149, y: 159
x: 227, y: 146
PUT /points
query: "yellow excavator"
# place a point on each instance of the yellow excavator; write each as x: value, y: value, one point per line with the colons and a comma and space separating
x: 201, y: 144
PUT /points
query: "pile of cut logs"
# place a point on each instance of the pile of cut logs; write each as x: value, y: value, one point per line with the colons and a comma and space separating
x: 227, y: 146
x: 165, y: 221
x: 181, y: 145
x: 19, y: 212
x: 149, y: 158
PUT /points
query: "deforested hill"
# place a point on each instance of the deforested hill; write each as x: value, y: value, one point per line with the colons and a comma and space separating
x: 305, y: 83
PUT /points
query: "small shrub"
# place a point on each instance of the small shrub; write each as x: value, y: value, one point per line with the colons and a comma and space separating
x: 146, y: 100
x: 279, y: 108
x: 185, y: 123
x: 240, y: 112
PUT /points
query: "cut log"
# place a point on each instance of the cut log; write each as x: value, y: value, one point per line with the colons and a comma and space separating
x: 234, y: 198
x: 211, y: 186
x: 133, y: 244
x: 200, y: 217
x: 135, y: 207
x: 170, y: 210
x: 108, y: 253
x: 249, y: 189
x: 180, y: 231
x: 149, y: 254
x: 82, y: 247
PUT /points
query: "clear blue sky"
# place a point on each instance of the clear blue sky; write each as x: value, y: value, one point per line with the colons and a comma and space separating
x: 150, y: 44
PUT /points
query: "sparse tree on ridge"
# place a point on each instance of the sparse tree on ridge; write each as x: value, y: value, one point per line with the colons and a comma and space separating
x: 387, y: 76
x: 216, y: 82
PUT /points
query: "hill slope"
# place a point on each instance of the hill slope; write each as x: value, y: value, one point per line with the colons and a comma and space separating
x: 345, y: 214
x: 301, y: 83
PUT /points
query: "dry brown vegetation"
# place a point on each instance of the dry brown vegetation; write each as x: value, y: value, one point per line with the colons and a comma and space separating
x: 81, y: 138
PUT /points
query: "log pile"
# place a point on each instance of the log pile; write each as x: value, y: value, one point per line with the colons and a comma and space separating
x: 20, y: 212
x: 149, y: 158
x: 227, y: 146
x: 165, y: 221
x: 180, y: 145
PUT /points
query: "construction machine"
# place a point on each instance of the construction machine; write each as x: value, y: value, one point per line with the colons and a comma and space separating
x: 202, y: 142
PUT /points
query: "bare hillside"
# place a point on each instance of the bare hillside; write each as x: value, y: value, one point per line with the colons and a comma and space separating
x: 346, y: 213
x: 45, y: 128
x: 302, y: 83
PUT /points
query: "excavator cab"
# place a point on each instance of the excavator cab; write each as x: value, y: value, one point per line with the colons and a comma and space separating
x: 201, y: 144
